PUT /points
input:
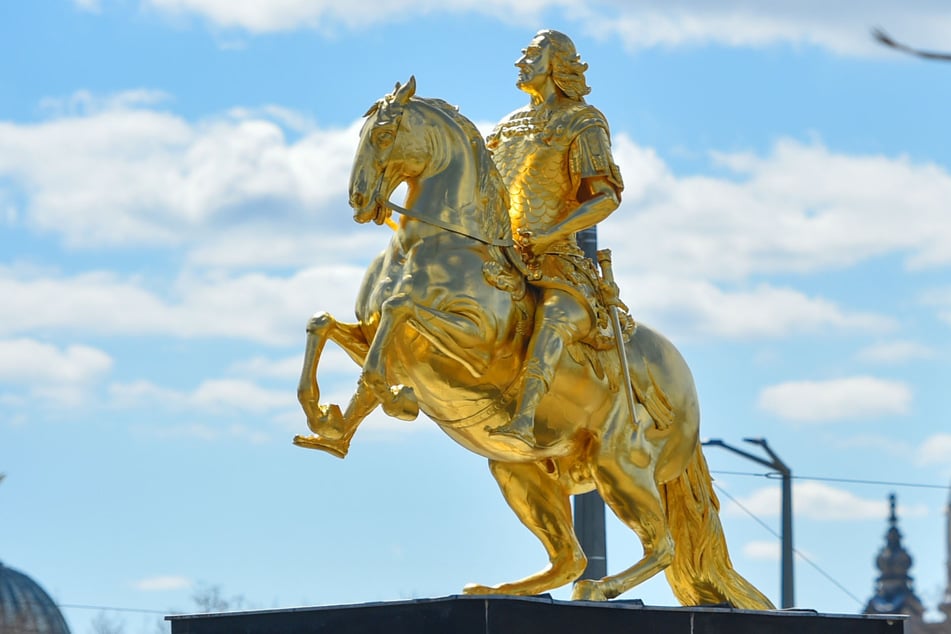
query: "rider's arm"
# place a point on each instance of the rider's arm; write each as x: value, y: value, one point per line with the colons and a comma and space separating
x: 599, y: 200
x: 597, y: 183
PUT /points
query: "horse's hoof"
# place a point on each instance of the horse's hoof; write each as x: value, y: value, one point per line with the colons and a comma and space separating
x: 588, y: 590
x: 337, y: 448
x: 402, y: 403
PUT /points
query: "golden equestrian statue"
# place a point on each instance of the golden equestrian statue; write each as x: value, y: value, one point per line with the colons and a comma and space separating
x: 483, y: 314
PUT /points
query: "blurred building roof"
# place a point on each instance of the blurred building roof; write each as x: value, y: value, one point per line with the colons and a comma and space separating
x: 25, y: 608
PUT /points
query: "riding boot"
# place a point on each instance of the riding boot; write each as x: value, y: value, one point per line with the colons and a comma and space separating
x: 556, y: 326
x: 522, y: 425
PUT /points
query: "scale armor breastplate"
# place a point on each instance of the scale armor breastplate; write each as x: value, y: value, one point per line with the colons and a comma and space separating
x: 534, y: 165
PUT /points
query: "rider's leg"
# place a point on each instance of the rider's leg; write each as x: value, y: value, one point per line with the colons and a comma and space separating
x: 560, y: 320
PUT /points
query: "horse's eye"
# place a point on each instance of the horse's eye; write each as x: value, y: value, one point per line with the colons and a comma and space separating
x: 384, y: 138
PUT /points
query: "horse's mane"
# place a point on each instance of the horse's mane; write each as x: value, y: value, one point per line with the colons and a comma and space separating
x: 492, y: 190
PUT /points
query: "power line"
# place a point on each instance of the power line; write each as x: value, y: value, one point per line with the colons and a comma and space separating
x: 770, y: 475
x: 797, y: 552
x: 773, y: 475
x: 107, y: 608
x: 918, y: 485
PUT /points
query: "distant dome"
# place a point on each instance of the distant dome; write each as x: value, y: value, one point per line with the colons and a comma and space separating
x: 25, y: 608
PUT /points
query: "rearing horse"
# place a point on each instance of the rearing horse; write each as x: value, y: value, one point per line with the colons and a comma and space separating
x: 443, y: 319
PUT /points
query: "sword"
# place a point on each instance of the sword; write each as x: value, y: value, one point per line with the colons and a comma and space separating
x: 639, y: 454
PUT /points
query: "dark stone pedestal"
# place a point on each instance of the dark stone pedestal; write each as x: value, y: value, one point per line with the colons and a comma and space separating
x: 527, y: 615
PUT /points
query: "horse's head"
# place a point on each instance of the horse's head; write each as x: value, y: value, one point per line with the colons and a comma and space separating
x: 440, y: 155
x: 390, y: 152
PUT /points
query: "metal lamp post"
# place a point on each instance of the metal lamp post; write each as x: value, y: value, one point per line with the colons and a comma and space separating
x: 589, y: 507
x: 787, y: 531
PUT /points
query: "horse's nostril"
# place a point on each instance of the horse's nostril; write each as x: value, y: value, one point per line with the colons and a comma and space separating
x: 356, y: 199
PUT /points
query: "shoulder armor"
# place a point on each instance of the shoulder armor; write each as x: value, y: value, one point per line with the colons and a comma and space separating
x: 574, y: 120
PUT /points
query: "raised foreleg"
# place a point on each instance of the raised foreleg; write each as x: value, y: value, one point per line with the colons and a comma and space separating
x: 542, y: 504
x: 451, y: 332
x: 397, y: 400
x: 332, y: 429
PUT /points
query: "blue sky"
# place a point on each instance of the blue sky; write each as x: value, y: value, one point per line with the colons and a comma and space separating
x: 173, y: 209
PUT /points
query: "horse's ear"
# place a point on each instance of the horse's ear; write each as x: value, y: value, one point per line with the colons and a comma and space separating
x: 402, y: 94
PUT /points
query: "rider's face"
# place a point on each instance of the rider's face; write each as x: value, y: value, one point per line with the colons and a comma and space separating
x: 534, y: 65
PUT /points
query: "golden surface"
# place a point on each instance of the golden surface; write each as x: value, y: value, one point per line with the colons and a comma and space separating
x: 509, y: 345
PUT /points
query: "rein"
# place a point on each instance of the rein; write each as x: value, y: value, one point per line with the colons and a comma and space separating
x: 442, y: 224
x: 498, y: 242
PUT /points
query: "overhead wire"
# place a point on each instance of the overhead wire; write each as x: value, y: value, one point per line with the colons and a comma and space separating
x: 798, y: 553
x: 770, y: 475
x: 774, y: 475
x: 107, y: 608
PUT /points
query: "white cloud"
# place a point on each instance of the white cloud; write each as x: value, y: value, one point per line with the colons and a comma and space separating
x: 766, y: 221
x: 116, y: 171
x: 332, y: 360
x: 286, y: 368
x: 206, y: 432
x: 890, y: 446
x: 762, y: 551
x: 49, y: 375
x: 818, y: 501
x: 940, y: 298
x: 257, y: 307
x: 241, y: 247
x: 231, y: 393
x: 859, y: 397
x: 93, y: 6
x: 113, y: 171
x: 83, y: 102
x: 31, y: 362
x: 842, y: 27
x: 689, y: 306
x: 213, y: 395
x: 163, y: 582
x: 935, y: 450
x: 891, y: 352
x: 279, y: 15
x: 215, y: 400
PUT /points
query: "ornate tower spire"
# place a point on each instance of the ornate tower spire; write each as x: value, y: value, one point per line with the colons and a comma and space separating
x: 893, y: 589
x: 946, y: 603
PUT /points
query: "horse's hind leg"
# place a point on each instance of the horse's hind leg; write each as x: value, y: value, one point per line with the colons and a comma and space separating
x: 633, y: 496
x: 542, y: 505
x: 332, y: 429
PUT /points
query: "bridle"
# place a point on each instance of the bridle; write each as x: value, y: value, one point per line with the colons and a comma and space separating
x: 388, y: 204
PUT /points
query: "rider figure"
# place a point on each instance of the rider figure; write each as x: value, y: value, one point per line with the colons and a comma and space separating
x: 555, y: 158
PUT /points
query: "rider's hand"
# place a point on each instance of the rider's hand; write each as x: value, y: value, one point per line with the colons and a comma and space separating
x: 612, y: 296
x: 525, y: 239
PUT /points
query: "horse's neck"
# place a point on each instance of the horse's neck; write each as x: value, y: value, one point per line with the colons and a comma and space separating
x: 413, y: 231
x: 451, y: 188
x: 449, y: 191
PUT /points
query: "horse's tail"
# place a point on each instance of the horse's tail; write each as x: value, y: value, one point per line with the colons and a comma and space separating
x: 701, y: 573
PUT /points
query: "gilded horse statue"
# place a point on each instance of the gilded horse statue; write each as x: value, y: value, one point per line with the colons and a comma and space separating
x: 442, y: 327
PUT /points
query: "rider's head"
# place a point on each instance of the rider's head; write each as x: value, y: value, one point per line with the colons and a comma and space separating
x: 567, y: 69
